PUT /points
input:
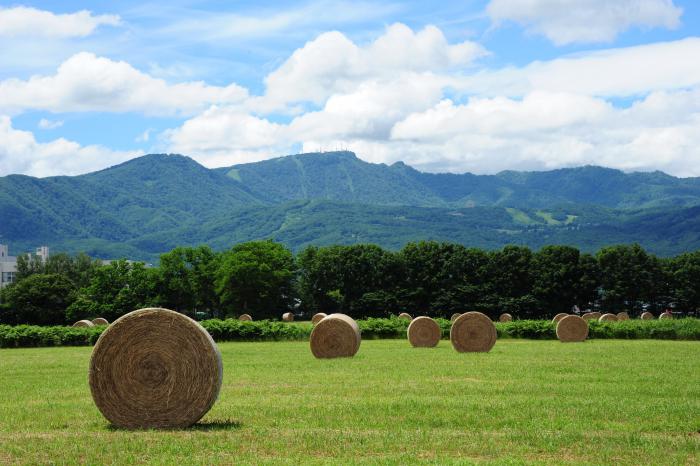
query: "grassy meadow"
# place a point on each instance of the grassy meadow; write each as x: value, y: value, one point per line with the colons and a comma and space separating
x: 602, y: 401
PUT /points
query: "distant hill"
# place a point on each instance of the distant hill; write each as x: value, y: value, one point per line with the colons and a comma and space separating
x: 151, y: 204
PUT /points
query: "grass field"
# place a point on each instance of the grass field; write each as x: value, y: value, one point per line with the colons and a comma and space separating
x: 603, y: 401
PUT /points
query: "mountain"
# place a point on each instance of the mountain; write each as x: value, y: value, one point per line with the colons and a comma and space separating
x: 151, y: 204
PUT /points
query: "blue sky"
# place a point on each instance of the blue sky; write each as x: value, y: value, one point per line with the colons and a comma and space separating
x: 477, y: 86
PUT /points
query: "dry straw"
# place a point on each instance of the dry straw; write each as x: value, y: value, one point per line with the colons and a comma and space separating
x: 505, y: 317
x: 559, y: 317
x: 607, y: 318
x: 288, y: 317
x: 155, y: 368
x: 623, y: 316
x: 318, y: 317
x: 405, y: 315
x: 100, y: 321
x: 646, y: 315
x: 335, y: 336
x: 83, y: 323
x: 454, y: 316
x: 666, y: 315
x: 589, y: 316
x: 473, y: 331
x: 572, y: 329
x: 423, y: 332
x: 245, y: 317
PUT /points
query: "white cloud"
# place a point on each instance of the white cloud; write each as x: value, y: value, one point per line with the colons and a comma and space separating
x: 20, y: 152
x: 586, y: 21
x: 50, y: 124
x: 29, y: 22
x: 86, y: 82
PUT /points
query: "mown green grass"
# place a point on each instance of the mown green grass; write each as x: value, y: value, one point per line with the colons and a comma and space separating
x: 602, y: 401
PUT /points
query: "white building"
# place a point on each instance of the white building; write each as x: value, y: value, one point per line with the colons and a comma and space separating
x: 8, y: 263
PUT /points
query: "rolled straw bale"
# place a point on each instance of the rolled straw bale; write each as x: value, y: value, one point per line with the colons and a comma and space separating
x: 623, y: 316
x: 596, y: 315
x: 84, y: 323
x: 473, y: 331
x: 572, y: 329
x: 405, y: 315
x: 559, y: 317
x: 318, y: 317
x: 100, y: 321
x: 454, y: 316
x: 666, y: 315
x: 423, y: 332
x: 155, y: 368
x: 589, y: 316
x: 607, y: 318
x: 335, y: 336
x: 505, y: 317
x: 646, y: 315
x: 288, y: 317
x: 245, y: 317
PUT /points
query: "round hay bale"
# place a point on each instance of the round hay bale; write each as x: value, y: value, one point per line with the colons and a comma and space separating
x: 245, y: 317
x: 155, y: 368
x: 572, y: 329
x: 318, y: 317
x: 406, y: 316
x: 505, y: 317
x: 100, y: 321
x: 423, y: 332
x: 623, y: 316
x: 646, y: 315
x: 335, y: 336
x: 589, y: 316
x: 473, y: 331
x: 454, y: 316
x: 559, y: 317
x: 666, y: 315
x: 596, y: 315
x: 84, y: 323
x: 607, y: 318
x: 288, y: 317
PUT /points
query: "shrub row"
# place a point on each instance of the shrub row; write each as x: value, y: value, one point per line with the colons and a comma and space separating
x: 372, y: 328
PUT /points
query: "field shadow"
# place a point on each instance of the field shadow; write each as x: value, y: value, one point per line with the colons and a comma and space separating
x: 226, y: 424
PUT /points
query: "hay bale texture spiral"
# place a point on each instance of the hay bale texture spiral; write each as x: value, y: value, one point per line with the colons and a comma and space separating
x: 666, y: 315
x: 335, y: 336
x: 454, y: 316
x: 572, y: 329
x: 559, y: 317
x: 423, y: 332
x: 473, y: 332
x: 405, y: 316
x: 623, y: 316
x: 505, y: 317
x: 646, y: 315
x: 288, y: 317
x: 245, y: 317
x: 607, y: 318
x: 84, y: 323
x: 318, y: 317
x: 100, y: 321
x: 155, y: 368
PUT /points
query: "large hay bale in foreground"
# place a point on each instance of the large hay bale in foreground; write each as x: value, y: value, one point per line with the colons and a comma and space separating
x: 646, y: 315
x: 454, y: 316
x: 666, y: 315
x: 100, y: 321
x: 405, y: 316
x: 155, y: 368
x: 623, y: 316
x: 318, y: 317
x: 83, y: 323
x: 423, y: 332
x: 288, y: 317
x: 559, y: 317
x: 335, y: 336
x: 505, y: 317
x: 607, y: 318
x: 245, y: 317
x: 572, y: 329
x: 471, y: 332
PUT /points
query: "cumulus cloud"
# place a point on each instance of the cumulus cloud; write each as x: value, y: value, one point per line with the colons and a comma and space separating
x: 20, y: 152
x: 24, y: 21
x: 86, y: 82
x: 50, y: 124
x: 586, y: 21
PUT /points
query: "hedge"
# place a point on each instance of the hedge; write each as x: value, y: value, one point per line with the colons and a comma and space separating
x: 373, y: 328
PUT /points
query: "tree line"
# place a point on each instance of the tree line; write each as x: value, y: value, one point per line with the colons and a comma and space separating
x: 265, y: 279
